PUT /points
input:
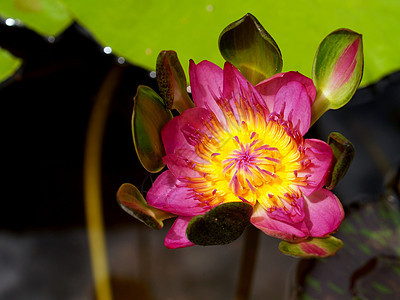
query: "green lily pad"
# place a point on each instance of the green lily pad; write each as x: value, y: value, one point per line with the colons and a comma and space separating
x: 8, y: 64
x: 312, y: 247
x: 132, y: 201
x: 47, y: 17
x: 171, y: 81
x: 139, y: 30
x: 148, y: 118
x: 248, y: 46
x: 343, y: 153
x: 221, y: 225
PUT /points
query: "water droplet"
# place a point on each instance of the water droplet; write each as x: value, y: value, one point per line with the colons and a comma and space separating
x: 153, y: 74
x: 121, y: 60
x: 107, y: 50
x: 10, y: 22
x: 51, y: 39
x: 189, y: 89
x: 209, y: 7
x: 148, y: 51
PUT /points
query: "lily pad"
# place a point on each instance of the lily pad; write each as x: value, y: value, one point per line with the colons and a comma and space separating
x: 139, y: 30
x: 8, y: 64
x: 368, y: 263
x: 221, y: 225
x: 47, y: 17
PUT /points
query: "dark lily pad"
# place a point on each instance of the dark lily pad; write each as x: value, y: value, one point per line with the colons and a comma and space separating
x: 368, y: 265
x: 221, y: 225
x: 132, y: 201
x: 343, y: 152
x: 249, y: 47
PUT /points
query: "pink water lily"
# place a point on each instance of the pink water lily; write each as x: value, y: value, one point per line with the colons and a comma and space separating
x: 244, y: 143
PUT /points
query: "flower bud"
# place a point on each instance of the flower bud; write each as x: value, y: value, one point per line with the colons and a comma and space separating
x: 337, y: 70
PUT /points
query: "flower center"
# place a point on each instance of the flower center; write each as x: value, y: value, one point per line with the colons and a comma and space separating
x: 252, y: 157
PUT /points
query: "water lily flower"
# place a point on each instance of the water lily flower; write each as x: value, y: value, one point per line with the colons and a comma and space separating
x: 245, y: 143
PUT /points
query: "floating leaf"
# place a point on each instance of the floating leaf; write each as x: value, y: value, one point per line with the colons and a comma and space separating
x: 249, y: 47
x: 148, y: 118
x: 221, y: 225
x: 312, y: 247
x: 47, y: 17
x: 139, y: 30
x: 343, y: 152
x: 172, y: 82
x: 367, y: 264
x: 337, y: 70
x: 8, y: 64
x: 132, y: 201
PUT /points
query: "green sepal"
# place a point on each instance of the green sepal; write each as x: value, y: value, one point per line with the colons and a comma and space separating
x: 171, y: 81
x: 132, y: 201
x: 221, y: 225
x: 249, y: 47
x: 148, y: 118
x: 337, y: 70
x: 343, y: 154
x: 312, y: 247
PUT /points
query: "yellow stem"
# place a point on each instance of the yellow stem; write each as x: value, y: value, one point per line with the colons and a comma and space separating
x: 92, y: 187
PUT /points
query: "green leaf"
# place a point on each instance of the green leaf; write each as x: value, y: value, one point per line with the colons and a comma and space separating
x: 132, y: 201
x: 8, y: 64
x: 171, y: 81
x: 312, y: 247
x: 221, y: 225
x: 337, y: 70
x: 343, y: 152
x: 249, y: 47
x: 139, y: 30
x: 148, y: 118
x: 47, y: 17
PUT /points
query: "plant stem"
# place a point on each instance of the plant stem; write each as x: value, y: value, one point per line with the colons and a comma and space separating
x: 249, y: 256
x: 92, y: 186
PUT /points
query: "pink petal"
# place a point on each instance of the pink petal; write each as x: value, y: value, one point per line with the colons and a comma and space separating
x: 237, y: 87
x: 233, y: 82
x: 345, y: 66
x: 179, y: 137
x: 206, y: 82
x: 324, y: 213
x: 192, y: 122
x: 171, y: 195
x: 172, y: 136
x: 270, y: 87
x: 294, y: 215
x: 320, y: 155
x: 178, y: 165
x: 277, y: 228
x: 176, y: 236
x: 293, y: 103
